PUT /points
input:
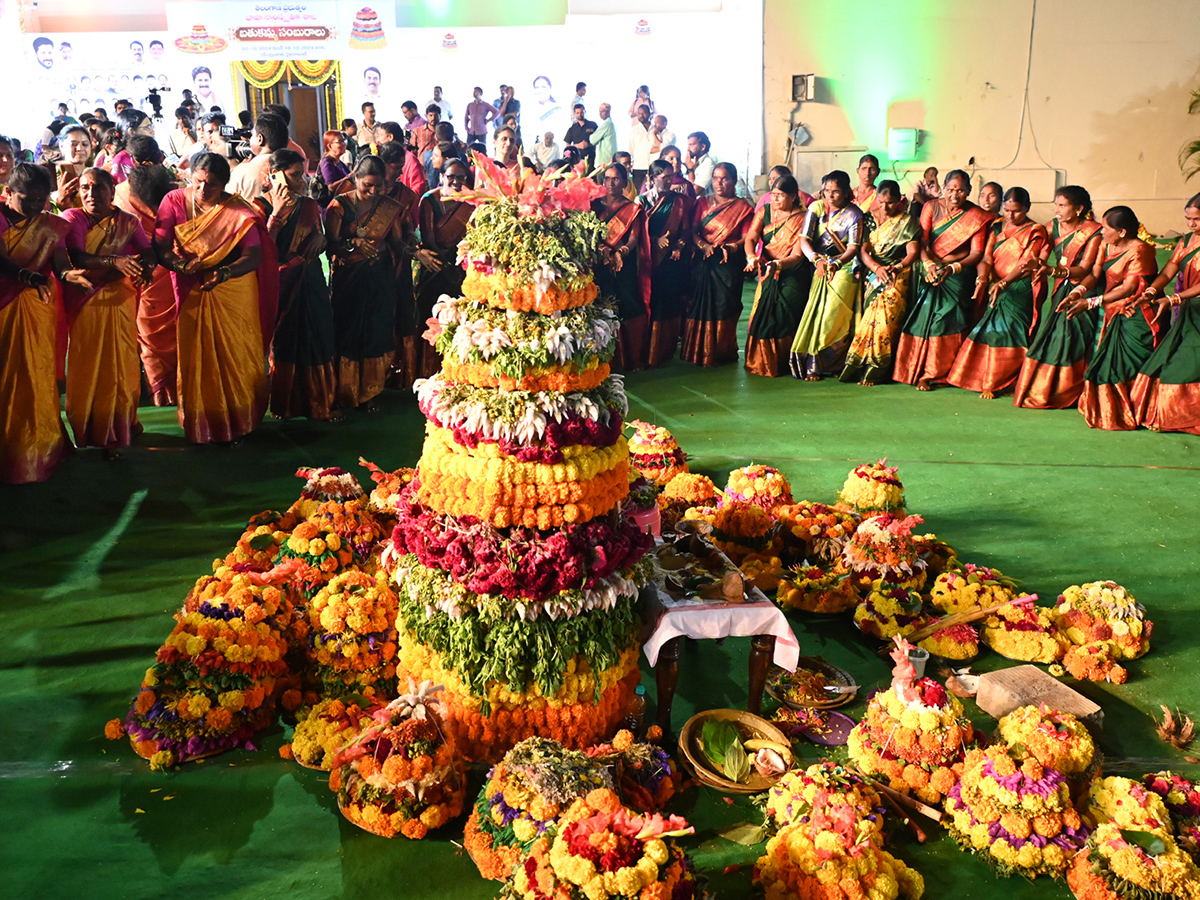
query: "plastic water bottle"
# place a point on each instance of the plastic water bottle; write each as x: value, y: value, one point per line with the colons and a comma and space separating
x: 635, y: 716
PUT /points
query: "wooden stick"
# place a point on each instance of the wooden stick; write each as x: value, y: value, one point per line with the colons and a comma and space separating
x: 909, y: 822
x: 910, y: 802
x: 961, y: 618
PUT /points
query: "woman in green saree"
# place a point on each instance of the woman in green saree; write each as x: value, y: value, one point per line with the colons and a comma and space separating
x: 888, y: 254
x: 833, y: 231
x: 784, y: 279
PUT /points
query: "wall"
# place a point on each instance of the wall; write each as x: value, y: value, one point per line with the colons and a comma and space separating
x: 1108, y: 87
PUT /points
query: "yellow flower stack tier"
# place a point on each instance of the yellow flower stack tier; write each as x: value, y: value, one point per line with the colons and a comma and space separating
x: 761, y: 485
x: 914, y: 734
x: 966, y: 587
x: 401, y: 774
x: 601, y: 850
x: 1133, y: 851
x: 515, y: 570
x: 830, y: 842
x: 873, y: 489
x: 1105, y: 625
x: 1058, y: 740
x: 655, y: 453
x: 1023, y: 631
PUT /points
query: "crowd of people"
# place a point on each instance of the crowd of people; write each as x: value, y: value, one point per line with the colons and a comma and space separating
x: 203, y: 265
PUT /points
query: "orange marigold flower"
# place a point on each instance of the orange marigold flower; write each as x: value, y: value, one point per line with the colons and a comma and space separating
x: 623, y: 740
x: 145, y: 700
x: 285, y: 752
x: 291, y: 699
x: 114, y: 729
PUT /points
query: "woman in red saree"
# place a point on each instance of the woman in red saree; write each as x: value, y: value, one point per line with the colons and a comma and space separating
x: 443, y: 223
x: 364, y: 233
x: 1052, y: 374
x: 226, y: 290
x: 1166, y: 392
x: 141, y: 194
x: 718, y: 272
x: 32, y: 438
x: 784, y: 279
x: 1130, y: 327
x: 954, y: 232
x: 303, y: 378
x: 624, y: 269
x: 103, y: 378
x: 1010, y: 277
x: 667, y: 223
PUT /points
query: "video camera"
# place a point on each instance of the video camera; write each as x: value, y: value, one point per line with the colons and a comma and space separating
x: 155, y: 100
x: 237, y: 140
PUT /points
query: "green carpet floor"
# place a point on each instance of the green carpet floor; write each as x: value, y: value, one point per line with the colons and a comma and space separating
x: 96, y: 560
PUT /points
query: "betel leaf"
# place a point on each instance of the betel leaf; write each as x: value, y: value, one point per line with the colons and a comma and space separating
x: 737, y: 764
x: 261, y: 541
x: 717, y: 738
x: 1147, y: 841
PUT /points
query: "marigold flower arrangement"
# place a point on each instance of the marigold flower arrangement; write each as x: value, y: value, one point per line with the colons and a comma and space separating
x: 525, y: 794
x: 654, y: 452
x: 760, y: 485
x: 969, y: 587
x: 323, y: 485
x: 815, y: 531
x: 1094, y: 662
x: 506, y: 292
x: 1103, y: 611
x: 328, y: 726
x: 957, y: 642
x: 827, y: 792
x: 889, y: 611
x: 1128, y: 863
x: 914, y: 734
x: 645, y: 775
x: 691, y: 487
x: 882, y: 548
x: 321, y: 550
x: 259, y: 544
x: 1182, y: 799
x: 388, y: 485
x: 817, y: 590
x: 938, y: 555
x: 353, y: 635
x: 1127, y: 804
x: 873, y: 488
x: 1017, y: 814
x: 562, y: 379
x: 740, y: 528
x: 1058, y: 740
x: 1024, y: 631
x: 763, y: 570
x: 603, y: 851
x: 401, y: 775
x: 831, y: 857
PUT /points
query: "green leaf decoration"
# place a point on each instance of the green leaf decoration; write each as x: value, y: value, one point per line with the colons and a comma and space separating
x: 261, y: 541
x: 717, y: 737
x: 1146, y: 840
x: 745, y: 833
x: 737, y: 764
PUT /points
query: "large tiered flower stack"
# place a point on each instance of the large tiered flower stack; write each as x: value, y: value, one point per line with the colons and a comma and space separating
x: 517, y: 575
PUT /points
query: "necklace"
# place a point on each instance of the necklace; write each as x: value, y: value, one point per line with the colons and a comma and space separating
x: 196, y: 205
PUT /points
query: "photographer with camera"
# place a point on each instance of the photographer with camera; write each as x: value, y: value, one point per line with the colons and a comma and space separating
x: 250, y: 177
x: 211, y: 126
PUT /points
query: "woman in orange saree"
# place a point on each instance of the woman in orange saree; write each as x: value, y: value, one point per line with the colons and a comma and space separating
x: 784, y: 279
x: 718, y: 272
x: 148, y: 183
x: 624, y: 269
x: 1052, y: 374
x: 103, y: 379
x: 364, y: 233
x: 992, y: 353
x: 33, y: 440
x: 1129, y: 331
x: 226, y: 289
x: 303, y: 378
x: 954, y: 232
x: 443, y: 225
x: 1166, y: 392
x: 667, y: 222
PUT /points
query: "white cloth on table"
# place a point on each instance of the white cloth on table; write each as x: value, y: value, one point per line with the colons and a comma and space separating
x: 668, y: 618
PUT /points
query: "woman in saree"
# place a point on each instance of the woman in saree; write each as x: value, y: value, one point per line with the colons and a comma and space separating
x: 991, y: 197
x: 443, y: 225
x: 103, y: 377
x: 1166, y: 392
x: 953, y: 235
x: 718, y: 272
x: 303, y: 378
x: 226, y: 291
x: 624, y: 269
x: 1010, y: 277
x: 888, y: 255
x: 363, y: 232
x: 407, y: 365
x: 784, y: 279
x: 1052, y: 374
x: 834, y: 229
x: 148, y: 183
x: 32, y: 438
x: 1129, y: 327
x: 667, y: 221
x: 866, y: 194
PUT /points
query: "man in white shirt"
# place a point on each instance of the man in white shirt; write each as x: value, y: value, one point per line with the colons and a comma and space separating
x: 577, y: 100
x: 641, y: 136
x: 699, y: 163
x: 663, y: 136
x: 546, y: 151
x: 440, y: 103
x: 605, y: 137
x: 249, y: 179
